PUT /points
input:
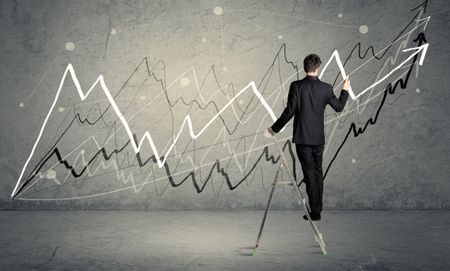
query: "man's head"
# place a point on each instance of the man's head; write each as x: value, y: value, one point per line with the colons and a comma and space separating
x: 311, y: 63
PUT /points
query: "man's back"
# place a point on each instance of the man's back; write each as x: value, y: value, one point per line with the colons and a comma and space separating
x: 306, y: 102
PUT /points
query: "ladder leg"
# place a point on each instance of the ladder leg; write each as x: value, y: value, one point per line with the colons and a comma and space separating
x: 269, y: 203
x: 304, y: 202
x: 317, y: 234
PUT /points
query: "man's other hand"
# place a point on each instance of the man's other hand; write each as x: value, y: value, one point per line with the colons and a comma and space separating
x: 346, y: 84
x: 269, y: 130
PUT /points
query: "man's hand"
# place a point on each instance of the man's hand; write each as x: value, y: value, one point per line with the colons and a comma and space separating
x: 346, y: 84
x: 269, y: 130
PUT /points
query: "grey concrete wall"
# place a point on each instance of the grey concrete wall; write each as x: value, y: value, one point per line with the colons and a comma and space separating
x: 164, y: 60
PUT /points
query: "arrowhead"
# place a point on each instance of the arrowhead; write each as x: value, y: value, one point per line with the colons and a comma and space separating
x: 426, y: 19
x: 421, y: 39
x: 422, y: 6
x: 422, y: 48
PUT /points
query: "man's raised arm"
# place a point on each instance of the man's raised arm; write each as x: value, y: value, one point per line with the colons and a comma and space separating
x: 339, y: 104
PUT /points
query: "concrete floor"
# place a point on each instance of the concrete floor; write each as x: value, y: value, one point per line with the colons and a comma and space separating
x: 218, y: 240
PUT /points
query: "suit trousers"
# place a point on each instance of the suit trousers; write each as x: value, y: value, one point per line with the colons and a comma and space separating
x: 310, y: 157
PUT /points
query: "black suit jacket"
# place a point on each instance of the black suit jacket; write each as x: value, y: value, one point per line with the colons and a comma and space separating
x: 307, y: 100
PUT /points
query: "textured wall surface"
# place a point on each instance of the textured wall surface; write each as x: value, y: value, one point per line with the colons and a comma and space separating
x: 64, y: 144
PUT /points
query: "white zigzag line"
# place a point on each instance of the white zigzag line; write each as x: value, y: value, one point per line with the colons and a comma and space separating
x: 147, y: 134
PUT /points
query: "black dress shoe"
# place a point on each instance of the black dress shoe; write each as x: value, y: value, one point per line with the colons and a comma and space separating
x: 314, y: 217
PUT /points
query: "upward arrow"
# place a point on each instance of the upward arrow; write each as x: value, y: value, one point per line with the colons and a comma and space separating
x: 421, y: 39
x: 417, y: 50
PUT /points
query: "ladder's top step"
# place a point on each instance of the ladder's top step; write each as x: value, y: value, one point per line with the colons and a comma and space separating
x: 284, y: 183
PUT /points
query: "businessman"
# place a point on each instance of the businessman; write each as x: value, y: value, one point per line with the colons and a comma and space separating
x: 306, y: 102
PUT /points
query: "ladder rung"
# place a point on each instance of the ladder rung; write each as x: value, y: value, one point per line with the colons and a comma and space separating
x: 284, y: 183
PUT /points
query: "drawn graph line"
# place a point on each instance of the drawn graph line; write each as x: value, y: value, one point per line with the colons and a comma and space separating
x: 291, y: 16
x: 138, y: 187
x: 147, y: 136
x: 142, y: 184
x: 145, y: 62
x: 390, y: 89
x: 203, y: 164
x: 187, y: 120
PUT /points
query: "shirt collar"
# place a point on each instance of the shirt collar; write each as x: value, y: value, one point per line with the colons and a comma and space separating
x: 312, y: 77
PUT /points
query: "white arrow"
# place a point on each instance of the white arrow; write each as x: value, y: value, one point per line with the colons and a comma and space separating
x: 423, y: 48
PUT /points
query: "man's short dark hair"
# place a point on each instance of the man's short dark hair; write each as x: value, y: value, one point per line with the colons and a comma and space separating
x: 311, y: 63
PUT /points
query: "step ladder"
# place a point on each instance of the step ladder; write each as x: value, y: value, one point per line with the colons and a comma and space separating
x: 301, y: 200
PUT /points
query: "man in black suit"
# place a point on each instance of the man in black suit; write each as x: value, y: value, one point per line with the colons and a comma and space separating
x: 306, y: 102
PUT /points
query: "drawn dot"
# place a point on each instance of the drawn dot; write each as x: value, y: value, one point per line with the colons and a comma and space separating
x: 21, y: 105
x: 363, y: 29
x: 50, y: 174
x: 353, y: 160
x: 83, y: 151
x: 418, y: 90
x: 113, y: 31
x: 203, y: 39
x: 185, y: 81
x: 225, y: 69
x: 143, y: 97
x: 61, y: 109
x: 218, y: 11
x: 280, y: 37
x: 340, y: 15
x: 70, y: 46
